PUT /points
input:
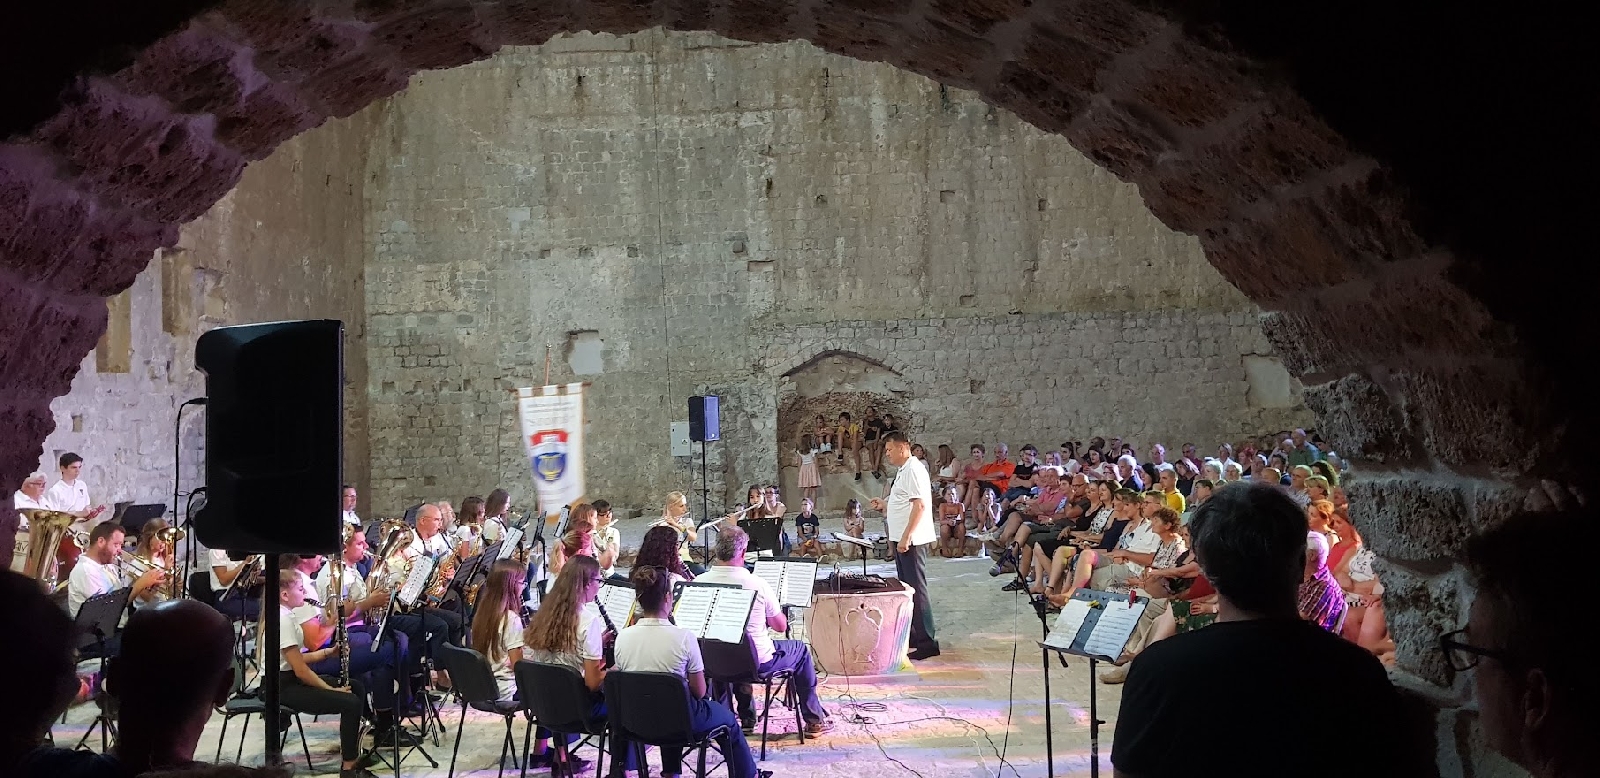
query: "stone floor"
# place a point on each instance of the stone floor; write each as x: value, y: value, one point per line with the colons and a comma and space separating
x: 947, y: 717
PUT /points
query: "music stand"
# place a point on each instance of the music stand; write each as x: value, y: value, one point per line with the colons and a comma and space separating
x: 386, y: 625
x: 134, y: 517
x: 1083, y: 642
x: 864, y: 545
x: 99, y: 623
x: 764, y: 533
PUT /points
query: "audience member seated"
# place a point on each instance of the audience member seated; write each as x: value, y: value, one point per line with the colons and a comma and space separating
x: 1351, y: 565
x: 1321, y: 599
x: 1246, y: 675
x: 1200, y: 492
x: 39, y: 649
x: 1031, y: 514
x: 174, y: 669
x: 1057, y: 585
x: 773, y: 655
x: 1533, y: 680
x: 1093, y: 504
x: 1022, y: 476
x: 653, y: 644
x: 1135, y: 550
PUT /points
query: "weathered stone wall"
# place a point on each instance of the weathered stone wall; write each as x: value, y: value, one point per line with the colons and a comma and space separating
x: 120, y: 413
x: 714, y: 214
x: 284, y: 244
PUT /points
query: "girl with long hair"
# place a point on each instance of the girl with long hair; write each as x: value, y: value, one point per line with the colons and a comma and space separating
x: 655, y: 644
x: 579, y: 540
x: 497, y: 623
x: 675, y: 514
x: 565, y: 631
x: 151, y: 546
x: 660, y: 549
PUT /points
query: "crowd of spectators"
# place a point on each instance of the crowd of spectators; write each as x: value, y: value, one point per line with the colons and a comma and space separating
x: 1096, y: 515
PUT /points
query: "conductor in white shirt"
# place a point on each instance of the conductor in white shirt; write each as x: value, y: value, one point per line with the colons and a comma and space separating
x: 907, y: 511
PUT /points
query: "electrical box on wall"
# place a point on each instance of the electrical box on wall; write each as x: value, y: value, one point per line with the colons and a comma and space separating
x: 680, y: 439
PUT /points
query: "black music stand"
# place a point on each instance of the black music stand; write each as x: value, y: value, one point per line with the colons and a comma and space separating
x: 399, y: 671
x: 99, y: 627
x: 1078, y: 647
x: 764, y: 534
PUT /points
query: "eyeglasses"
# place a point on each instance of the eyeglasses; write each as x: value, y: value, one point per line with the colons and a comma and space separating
x: 1464, y: 656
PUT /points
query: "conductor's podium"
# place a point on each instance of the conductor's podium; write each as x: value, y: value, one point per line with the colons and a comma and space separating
x: 859, y: 631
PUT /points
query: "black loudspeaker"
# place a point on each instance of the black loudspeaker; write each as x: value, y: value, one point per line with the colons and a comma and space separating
x: 703, y: 418
x: 274, y: 437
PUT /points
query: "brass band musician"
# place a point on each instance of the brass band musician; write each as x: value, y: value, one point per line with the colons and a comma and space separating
x: 98, y: 572
x: 308, y: 691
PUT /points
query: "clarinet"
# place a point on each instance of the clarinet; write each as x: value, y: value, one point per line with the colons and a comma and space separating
x: 341, y: 632
x: 609, y: 643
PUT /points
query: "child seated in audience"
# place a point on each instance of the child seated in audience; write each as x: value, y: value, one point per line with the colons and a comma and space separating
x: 855, y: 525
x: 952, y: 526
x: 808, y: 529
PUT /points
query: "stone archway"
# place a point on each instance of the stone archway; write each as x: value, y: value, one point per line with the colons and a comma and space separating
x: 1418, y: 359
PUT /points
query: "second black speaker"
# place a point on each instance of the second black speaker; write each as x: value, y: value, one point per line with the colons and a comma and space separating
x: 704, y: 417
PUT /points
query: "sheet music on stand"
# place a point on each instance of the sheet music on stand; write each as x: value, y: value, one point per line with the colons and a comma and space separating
x: 421, y: 569
x: 508, y: 543
x: 790, y: 577
x: 618, y: 599
x: 1095, y: 624
x: 853, y: 540
x: 714, y: 611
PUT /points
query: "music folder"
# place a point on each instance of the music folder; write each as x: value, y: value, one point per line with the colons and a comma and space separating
x: 714, y: 611
x: 1096, y: 624
x: 421, y: 569
x: 791, y: 578
x: 617, y: 597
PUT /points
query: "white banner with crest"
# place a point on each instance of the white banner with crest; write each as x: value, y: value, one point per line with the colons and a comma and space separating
x: 552, y: 437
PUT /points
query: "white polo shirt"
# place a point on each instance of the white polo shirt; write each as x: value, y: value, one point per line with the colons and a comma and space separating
x: 216, y: 558
x: 69, y: 498
x: 352, y: 519
x: 354, y: 587
x: 910, y: 483
x: 766, y: 604
x: 658, y: 646
x: 435, y: 546
x: 289, y: 634
x: 26, y: 503
x: 91, y: 579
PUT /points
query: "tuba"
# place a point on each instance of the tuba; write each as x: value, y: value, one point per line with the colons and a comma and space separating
x: 45, y: 532
x: 390, y: 559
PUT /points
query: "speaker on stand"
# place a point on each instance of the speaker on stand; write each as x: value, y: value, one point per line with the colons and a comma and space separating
x: 705, y: 425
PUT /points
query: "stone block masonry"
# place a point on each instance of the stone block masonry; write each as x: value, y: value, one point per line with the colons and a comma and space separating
x: 673, y: 214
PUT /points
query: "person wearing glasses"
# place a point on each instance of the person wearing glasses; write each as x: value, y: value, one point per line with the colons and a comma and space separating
x: 1532, y: 680
x: 1261, y: 676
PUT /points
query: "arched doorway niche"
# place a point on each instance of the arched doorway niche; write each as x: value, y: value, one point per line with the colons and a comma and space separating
x: 831, y: 383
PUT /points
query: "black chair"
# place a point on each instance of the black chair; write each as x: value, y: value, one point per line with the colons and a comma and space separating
x: 652, y: 709
x: 731, y: 664
x: 560, y: 701
x: 246, y: 704
x: 472, y: 678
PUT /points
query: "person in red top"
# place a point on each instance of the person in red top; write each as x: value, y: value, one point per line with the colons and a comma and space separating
x: 996, y: 475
